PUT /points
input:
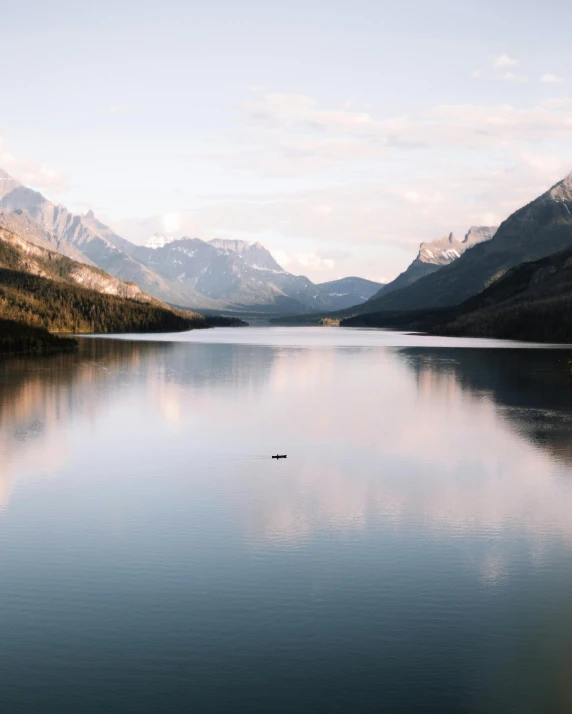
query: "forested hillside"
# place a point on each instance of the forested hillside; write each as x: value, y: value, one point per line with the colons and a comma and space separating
x: 41, y: 288
x: 59, y: 307
x: 533, y: 301
x: 16, y: 339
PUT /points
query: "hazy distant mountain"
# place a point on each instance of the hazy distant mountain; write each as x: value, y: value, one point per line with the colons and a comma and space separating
x: 346, y: 292
x: 537, y: 230
x: 435, y: 254
x: 44, y: 289
x: 7, y: 183
x: 158, y: 241
x: 93, y: 240
x: 215, y: 275
x: 86, y: 236
x: 244, y: 275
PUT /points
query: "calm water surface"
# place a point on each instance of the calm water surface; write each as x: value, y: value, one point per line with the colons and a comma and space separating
x: 412, y: 554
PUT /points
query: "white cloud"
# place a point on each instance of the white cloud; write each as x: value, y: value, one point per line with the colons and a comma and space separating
x: 378, y: 181
x: 551, y: 78
x: 31, y: 173
x: 171, y: 222
x: 504, y: 61
x: 301, y: 262
x: 290, y: 135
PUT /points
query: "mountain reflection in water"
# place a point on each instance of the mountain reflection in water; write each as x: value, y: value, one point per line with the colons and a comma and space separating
x: 416, y: 540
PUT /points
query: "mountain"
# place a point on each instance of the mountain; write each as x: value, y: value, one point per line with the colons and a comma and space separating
x: 216, y: 275
x: 344, y: 292
x: 539, y: 229
x: 479, y: 234
x: 41, y: 288
x: 435, y: 254
x: 158, y: 241
x: 532, y: 301
x: 246, y: 276
x: 83, y: 236
x: 17, y: 253
x: 7, y: 183
x: 223, y: 276
x: 21, y: 223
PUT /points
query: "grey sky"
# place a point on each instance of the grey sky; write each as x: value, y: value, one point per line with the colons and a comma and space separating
x: 340, y: 134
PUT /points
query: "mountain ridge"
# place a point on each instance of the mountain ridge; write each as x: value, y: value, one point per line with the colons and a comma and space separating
x: 540, y: 228
x: 221, y: 274
x: 433, y: 255
x: 44, y: 289
x: 532, y: 301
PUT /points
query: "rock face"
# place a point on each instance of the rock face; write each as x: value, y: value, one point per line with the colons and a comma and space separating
x: 97, y: 244
x: 434, y: 255
x: 479, y: 234
x: 21, y: 223
x: 531, y: 301
x: 539, y: 229
x: 33, y: 259
x: 245, y: 275
x: 441, y: 251
x: 216, y: 275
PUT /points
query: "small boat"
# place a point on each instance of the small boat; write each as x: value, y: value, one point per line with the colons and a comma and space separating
x: 280, y: 456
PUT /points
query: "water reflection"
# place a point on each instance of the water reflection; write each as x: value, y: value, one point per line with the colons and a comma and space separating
x: 531, y: 389
x: 41, y: 399
x: 457, y: 440
x: 422, y: 516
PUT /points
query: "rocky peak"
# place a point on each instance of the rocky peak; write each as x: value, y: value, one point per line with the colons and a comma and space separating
x: 7, y: 183
x: 236, y: 246
x: 158, y: 240
x: 441, y: 251
x: 479, y: 234
x: 562, y: 191
x: 253, y: 254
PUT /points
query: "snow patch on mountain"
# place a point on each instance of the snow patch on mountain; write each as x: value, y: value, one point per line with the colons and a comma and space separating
x: 158, y: 240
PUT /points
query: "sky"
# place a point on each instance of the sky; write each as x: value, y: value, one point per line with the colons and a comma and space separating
x: 338, y: 134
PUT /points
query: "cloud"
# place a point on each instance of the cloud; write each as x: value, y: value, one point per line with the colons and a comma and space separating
x: 504, y: 61
x: 171, y: 222
x: 383, y: 220
x: 551, y: 78
x: 30, y: 173
x: 290, y: 135
x: 375, y: 180
x: 304, y: 262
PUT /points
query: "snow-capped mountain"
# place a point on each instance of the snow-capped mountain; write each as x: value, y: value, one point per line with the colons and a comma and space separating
x: 218, y: 275
x: 441, y: 251
x: 435, y: 254
x: 158, y: 240
x: 244, y: 275
x: 541, y: 228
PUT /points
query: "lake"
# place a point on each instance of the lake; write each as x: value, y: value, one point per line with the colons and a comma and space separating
x: 412, y: 554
